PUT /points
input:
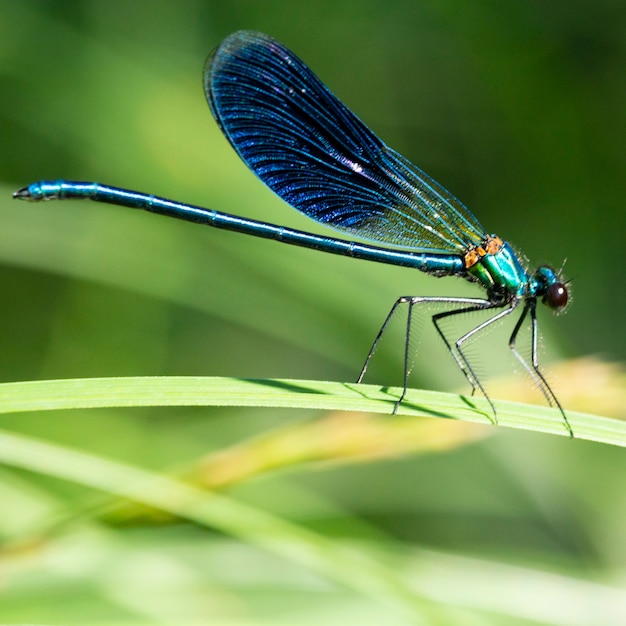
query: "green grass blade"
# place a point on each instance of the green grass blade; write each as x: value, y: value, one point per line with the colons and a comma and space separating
x: 294, y: 394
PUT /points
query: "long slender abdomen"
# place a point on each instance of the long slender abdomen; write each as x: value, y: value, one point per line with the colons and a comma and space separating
x: 436, y: 264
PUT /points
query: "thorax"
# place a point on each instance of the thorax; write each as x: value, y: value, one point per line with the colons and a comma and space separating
x: 497, y: 268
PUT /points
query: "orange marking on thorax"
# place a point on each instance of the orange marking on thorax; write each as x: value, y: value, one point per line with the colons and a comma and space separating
x: 491, y: 245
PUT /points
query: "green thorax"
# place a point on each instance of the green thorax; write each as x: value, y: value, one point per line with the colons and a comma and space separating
x: 496, y: 267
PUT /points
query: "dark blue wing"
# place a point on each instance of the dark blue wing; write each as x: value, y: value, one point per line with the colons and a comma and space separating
x: 318, y: 156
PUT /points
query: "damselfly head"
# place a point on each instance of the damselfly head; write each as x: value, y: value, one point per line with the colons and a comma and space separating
x: 554, y: 291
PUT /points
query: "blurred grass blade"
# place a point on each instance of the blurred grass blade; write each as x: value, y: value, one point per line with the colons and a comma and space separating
x: 351, y: 567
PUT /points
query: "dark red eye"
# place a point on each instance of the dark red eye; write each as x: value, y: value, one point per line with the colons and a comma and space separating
x: 556, y: 296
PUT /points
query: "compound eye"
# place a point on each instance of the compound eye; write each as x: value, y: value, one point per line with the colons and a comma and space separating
x: 556, y: 296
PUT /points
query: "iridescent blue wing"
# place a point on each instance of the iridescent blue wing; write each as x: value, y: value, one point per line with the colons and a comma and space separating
x: 319, y: 157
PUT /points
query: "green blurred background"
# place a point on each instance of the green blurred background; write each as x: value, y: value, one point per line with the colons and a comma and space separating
x: 515, y: 107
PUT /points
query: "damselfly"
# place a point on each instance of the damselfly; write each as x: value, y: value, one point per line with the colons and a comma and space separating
x: 306, y: 146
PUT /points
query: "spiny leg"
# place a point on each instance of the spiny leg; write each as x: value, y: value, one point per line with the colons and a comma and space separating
x: 481, y: 327
x: 474, y: 304
x: 459, y: 355
x: 534, y: 371
x: 481, y: 305
x: 407, y: 346
x: 374, y: 347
